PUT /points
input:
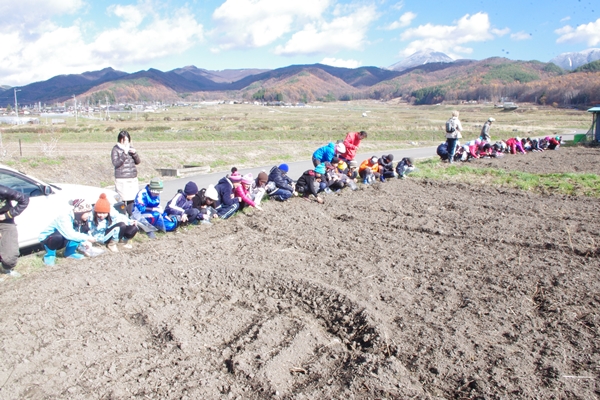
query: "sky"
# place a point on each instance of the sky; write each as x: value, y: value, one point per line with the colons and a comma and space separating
x: 41, y: 39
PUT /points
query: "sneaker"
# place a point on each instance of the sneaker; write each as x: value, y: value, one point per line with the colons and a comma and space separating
x: 112, y: 246
x: 328, y: 191
x: 76, y: 256
x: 10, y: 272
x: 402, y: 177
x: 151, y: 235
x: 365, y: 181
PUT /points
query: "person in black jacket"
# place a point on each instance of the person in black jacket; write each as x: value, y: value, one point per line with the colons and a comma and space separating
x: 386, y: 167
x: 125, y: 158
x: 308, y: 184
x: 9, y: 239
x: 280, y: 186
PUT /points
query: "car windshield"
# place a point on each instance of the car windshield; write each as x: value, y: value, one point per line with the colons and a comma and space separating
x: 20, y: 184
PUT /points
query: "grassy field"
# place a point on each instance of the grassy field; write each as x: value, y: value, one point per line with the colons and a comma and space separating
x: 244, y: 135
x: 572, y: 184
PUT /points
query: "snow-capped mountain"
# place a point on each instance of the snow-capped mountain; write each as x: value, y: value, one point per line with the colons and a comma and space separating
x: 421, y: 57
x: 570, y: 61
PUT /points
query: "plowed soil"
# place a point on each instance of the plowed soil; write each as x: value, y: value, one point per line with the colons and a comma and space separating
x: 405, y: 289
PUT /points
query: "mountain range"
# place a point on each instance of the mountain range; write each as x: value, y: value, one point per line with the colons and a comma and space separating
x: 570, y: 61
x: 424, y: 77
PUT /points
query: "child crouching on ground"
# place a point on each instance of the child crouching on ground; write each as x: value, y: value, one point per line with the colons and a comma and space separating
x: 205, y: 201
x: 108, y: 226
x: 404, y: 167
x: 181, y: 206
x: 308, y: 184
x: 243, y: 192
x: 67, y: 231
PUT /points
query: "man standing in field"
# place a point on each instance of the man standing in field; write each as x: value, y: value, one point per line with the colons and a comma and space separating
x: 351, y: 143
x: 9, y: 240
x: 485, y: 131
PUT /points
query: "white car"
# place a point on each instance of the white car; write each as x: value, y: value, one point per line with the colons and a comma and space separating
x: 46, y: 201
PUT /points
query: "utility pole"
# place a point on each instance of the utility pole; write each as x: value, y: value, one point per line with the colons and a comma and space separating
x: 75, y: 108
x: 16, y: 106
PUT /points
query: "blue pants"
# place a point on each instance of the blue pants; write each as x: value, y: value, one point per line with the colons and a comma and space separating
x: 281, y: 194
x: 451, y: 148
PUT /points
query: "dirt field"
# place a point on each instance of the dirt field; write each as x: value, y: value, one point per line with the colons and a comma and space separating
x: 407, y: 289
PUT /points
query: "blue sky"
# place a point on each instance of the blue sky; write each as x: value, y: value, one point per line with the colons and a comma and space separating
x: 44, y: 38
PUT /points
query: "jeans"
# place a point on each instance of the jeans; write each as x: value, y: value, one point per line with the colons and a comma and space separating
x: 225, y: 212
x: 451, y: 148
x: 281, y: 194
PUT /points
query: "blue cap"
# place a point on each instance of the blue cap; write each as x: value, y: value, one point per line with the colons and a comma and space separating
x: 320, y: 169
x: 284, y: 167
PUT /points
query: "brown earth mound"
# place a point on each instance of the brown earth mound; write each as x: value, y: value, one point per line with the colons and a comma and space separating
x: 407, y: 289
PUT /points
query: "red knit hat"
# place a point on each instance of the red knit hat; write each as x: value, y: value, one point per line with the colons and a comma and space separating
x: 102, y: 205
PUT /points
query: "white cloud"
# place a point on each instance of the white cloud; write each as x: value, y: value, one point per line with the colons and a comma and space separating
x: 520, y: 36
x: 338, y: 62
x: 49, y: 50
x: 500, y: 32
x: 28, y: 13
x: 343, y: 32
x: 257, y: 23
x: 404, y: 21
x: 451, y: 39
x: 589, y: 33
x: 134, y: 42
x: 567, y: 18
x: 398, y: 5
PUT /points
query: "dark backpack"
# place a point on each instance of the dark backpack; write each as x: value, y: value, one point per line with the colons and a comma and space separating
x: 450, y: 126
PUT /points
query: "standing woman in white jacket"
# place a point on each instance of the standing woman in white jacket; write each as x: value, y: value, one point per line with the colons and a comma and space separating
x: 453, y: 133
x: 125, y: 158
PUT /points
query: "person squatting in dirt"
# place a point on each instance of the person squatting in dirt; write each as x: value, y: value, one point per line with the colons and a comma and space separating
x: 109, y: 227
x: 68, y: 231
x: 148, y: 211
x: 280, y: 187
x: 308, y: 185
x: 205, y: 201
x: 369, y: 170
x: 405, y: 167
x: 181, y: 206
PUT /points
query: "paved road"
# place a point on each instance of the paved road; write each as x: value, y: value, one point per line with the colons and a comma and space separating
x: 296, y: 170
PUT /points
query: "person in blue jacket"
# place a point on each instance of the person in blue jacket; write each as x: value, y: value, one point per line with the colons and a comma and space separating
x: 108, y: 226
x: 327, y: 152
x: 67, y: 231
x: 147, y: 208
x: 280, y: 187
x: 228, y: 204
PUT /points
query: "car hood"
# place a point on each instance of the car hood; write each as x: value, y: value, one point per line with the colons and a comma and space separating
x: 89, y: 193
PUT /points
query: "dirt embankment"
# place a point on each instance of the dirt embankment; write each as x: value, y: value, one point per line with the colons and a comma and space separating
x: 407, y: 289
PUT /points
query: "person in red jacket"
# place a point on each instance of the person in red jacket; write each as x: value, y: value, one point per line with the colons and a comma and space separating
x: 351, y: 143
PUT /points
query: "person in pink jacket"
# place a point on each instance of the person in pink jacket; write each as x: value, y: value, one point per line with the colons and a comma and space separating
x: 243, y: 192
x: 514, y: 144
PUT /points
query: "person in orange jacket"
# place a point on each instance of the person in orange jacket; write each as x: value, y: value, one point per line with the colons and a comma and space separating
x: 369, y: 170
